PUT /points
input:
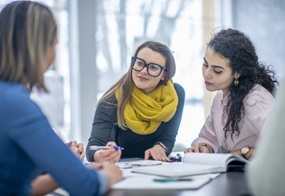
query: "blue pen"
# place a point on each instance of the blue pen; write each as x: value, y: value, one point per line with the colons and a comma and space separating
x: 105, y: 147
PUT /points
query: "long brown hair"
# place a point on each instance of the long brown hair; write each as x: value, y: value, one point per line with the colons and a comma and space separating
x: 27, y: 29
x: 237, y: 47
x: 125, y: 83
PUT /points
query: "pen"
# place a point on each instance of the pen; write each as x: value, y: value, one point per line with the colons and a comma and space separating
x: 173, y: 180
x: 105, y: 147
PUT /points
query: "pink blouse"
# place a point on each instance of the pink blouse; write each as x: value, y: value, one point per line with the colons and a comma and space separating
x: 257, y: 105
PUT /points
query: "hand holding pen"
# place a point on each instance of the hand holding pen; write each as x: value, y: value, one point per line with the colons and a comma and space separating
x: 105, y: 147
x: 110, y: 153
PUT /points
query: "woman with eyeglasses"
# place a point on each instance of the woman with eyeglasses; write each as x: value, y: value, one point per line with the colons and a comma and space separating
x: 142, y: 111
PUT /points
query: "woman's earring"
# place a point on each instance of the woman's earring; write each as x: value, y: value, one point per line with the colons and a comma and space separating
x: 236, y: 82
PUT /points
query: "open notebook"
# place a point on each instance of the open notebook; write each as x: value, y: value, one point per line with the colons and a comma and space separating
x: 195, y: 164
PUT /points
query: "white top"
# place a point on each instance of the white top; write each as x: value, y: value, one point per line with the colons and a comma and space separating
x: 266, y: 172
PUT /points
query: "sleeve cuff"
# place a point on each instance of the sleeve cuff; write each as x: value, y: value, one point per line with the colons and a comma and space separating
x: 103, y: 183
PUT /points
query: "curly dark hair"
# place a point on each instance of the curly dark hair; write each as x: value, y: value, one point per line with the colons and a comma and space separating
x: 236, y: 47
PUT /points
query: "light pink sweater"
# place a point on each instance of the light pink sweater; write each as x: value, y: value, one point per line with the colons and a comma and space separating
x: 257, y: 105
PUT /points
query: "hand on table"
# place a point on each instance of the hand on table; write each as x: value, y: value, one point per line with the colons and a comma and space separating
x: 110, y: 170
x: 200, y: 148
x: 157, y: 153
x: 113, y: 173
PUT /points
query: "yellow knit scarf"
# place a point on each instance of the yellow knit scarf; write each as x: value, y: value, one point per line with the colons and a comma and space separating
x: 145, y: 112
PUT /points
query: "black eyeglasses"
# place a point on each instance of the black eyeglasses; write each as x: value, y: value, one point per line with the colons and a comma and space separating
x: 153, y: 69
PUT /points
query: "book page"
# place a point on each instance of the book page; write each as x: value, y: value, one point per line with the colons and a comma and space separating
x: 173, y: 170
x: 211, y: 158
